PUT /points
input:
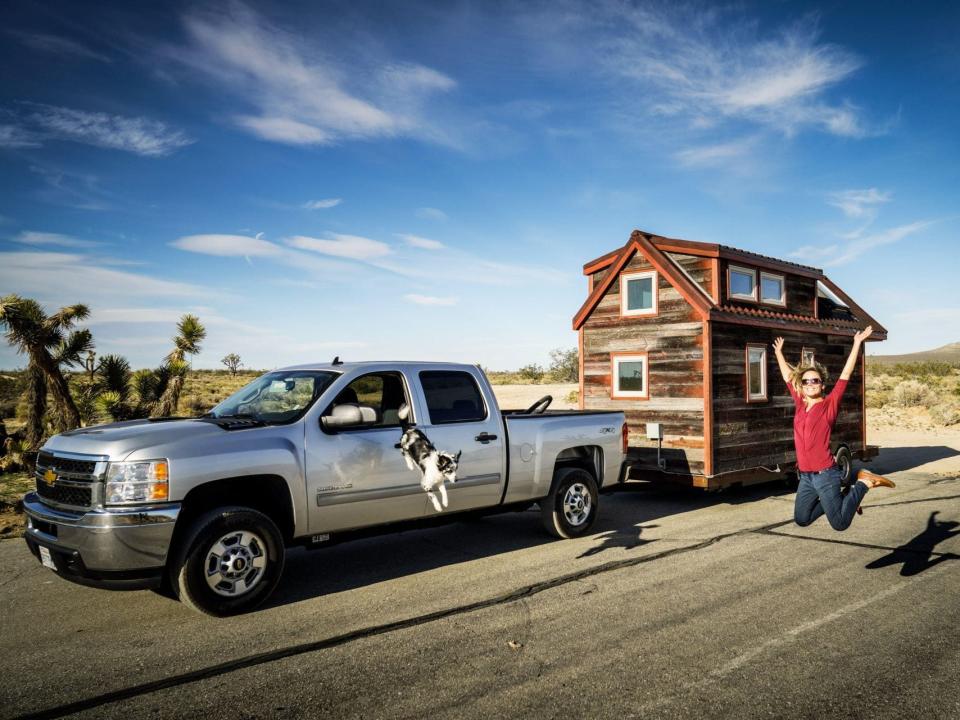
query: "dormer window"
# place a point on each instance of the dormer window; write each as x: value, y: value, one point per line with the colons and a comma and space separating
x: 772, y: 289
x: 638, y: 293
x: 741, y: 283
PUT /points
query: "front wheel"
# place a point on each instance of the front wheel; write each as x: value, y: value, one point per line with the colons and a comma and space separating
x: 230, y: 562
x: 571, y: 507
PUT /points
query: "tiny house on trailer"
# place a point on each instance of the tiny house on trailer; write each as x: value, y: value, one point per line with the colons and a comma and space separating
x: 678, y: 335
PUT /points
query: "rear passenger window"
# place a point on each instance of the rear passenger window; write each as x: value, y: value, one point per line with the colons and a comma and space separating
x: 452, y: 396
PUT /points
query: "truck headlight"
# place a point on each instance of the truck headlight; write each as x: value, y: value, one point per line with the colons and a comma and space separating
x: 137, y: 482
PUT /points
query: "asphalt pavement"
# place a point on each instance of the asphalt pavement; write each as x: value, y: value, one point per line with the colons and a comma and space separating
x: 679, y: 605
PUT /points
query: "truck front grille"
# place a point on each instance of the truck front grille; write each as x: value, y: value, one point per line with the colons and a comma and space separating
x: 70, y: 481
x: 73, y: 495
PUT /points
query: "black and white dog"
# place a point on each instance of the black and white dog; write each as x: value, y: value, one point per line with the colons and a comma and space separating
x: 436, y: 467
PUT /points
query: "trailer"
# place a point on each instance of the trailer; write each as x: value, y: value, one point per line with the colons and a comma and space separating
x: 677, y: 334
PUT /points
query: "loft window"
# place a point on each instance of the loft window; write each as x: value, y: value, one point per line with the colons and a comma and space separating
x: 807, y: 356
x: 741, y: 283
x: 772, y: 289
x: 638, y: 293
x: 756, y: 373
x: 630, y: 375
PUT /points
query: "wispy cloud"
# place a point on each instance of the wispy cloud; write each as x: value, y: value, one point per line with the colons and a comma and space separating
x: 138, y: 135
x: 227, y: 245
x: 714, y: 155
x: 858, y: 203
x: 72, y: 189
x: 353, y: 247
x: 56, y: 45
x: 298, y: 95
x: 841, y: 254
x: 431, y: 213
x: 430, y: 300
x: 421, y: 242
x: 325, y: 204
x: 45, y: 238
x: 13, y: 136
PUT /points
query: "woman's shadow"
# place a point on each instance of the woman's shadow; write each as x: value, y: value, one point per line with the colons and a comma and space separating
x: 916, y: 553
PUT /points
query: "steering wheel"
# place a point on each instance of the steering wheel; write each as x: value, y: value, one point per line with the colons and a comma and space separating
x: 540, y: 406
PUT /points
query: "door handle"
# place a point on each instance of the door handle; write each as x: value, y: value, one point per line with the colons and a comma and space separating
x: 485, y: 437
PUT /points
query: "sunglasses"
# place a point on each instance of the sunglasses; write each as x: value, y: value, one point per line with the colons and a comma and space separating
x: 811, y: 381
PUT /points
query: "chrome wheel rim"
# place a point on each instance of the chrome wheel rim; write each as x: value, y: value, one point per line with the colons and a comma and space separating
x: 576, y: 504
x: 236, y: 563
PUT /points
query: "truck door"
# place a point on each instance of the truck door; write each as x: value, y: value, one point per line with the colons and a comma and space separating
x: 357, y: 477
x: 459, y: 419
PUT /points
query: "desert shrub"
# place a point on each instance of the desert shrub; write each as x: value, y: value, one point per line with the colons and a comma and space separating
x: 878, y: 398
x: 573, y: 396
x: 8, y: 408
x: 194, y: 405
x: 531, y: 373
x: 911, y: 393
x: 923, y: 369
x: 945, y: 414
x: 564, y: 365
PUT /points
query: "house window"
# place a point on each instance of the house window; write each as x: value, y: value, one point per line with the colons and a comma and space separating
x: 630, y: 375
x: 638, y: 293
x: 741, y: 283
x: 807, y: 356
x: 756, y: 373
x: 772, y: 289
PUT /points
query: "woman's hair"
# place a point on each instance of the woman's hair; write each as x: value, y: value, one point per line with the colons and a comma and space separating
x: 796, y: 373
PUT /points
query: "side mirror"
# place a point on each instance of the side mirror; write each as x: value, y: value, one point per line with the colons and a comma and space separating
x: 348, y: 416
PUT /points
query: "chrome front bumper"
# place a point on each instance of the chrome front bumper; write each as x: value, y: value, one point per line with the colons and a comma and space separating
x: 117, y: 548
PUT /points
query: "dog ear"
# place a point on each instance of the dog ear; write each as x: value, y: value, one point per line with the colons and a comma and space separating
x: 456, y: 457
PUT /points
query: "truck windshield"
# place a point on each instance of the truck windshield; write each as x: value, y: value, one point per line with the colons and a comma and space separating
x: 276, y: 397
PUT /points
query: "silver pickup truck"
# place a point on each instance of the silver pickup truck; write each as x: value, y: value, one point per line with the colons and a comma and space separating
x: 309, y: 455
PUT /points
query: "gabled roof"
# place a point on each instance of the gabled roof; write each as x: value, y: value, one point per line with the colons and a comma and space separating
x: 655, y: 249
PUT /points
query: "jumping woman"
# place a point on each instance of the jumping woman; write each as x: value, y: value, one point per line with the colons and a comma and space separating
x: 819, y: 490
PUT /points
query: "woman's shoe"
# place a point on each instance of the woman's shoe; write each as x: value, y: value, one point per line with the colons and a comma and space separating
x: 874, y: 479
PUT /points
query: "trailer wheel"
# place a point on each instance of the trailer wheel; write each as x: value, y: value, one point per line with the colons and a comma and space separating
x: 570, y: 509
x: 845, y: 462
x: 230, y: 561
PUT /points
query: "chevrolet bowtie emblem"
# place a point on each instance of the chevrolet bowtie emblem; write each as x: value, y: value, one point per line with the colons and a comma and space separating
x: 50, y: 477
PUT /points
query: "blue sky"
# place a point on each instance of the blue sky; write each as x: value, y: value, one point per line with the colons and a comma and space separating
x: 425, y: 180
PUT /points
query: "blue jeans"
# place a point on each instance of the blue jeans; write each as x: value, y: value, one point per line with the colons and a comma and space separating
x: 819, y: 494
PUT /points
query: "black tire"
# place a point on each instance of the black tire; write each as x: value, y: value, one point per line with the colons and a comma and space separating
x: 215, y: 583
x: 845, y: 462
x: 570, y: 509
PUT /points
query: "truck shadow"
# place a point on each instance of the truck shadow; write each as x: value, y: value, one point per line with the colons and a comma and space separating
x: 897, y: 459
x: 624, y: 515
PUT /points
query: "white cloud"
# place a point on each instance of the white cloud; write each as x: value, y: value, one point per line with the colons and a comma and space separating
x: 429, y: 213
x: 714, y: 155
x: 833, y: 255
x: 325, y: 204
x: 299, y: 94
x: 138, y: 135
x: 354, y: 247
x: 421, y: 242
x: 12, y: 136
x: 858, y: 203
x: 44, y: 238
x: 227, y: 245
x: 57, y: 45
x: 430, y: 300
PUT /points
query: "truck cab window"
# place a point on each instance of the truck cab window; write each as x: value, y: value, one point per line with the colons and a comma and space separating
x: 452, y: 397
x: 384, y: 392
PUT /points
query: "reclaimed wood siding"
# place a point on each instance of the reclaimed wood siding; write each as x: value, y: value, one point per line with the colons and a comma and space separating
x: 698, y: 268
x: 761, y: 433
x: 673, y: 341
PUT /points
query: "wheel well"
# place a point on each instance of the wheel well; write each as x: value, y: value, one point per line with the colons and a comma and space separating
x: 267, y: 493
x: 587, y: 457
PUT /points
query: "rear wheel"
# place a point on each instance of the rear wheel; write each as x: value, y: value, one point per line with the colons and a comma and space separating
x: 229, y: 563
x: 845, y: 462
x: 571, y: 507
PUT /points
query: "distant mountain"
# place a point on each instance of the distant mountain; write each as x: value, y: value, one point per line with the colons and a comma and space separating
x: 948, y: 353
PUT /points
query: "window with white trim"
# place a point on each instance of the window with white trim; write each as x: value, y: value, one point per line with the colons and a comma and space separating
x: 638, y: 293
x: 772, y: 289
x: 741, y: 283
x: 807, y: 356
x: 630, y: 373
x: 756, y: 373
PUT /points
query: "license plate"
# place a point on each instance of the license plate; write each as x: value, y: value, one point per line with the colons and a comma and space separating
x: 46, y: 559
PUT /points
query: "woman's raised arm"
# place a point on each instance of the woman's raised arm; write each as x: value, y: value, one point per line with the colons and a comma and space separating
x: 855, y: 352
x: 781, y: 361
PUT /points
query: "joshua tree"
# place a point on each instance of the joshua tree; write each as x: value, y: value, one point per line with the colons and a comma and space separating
x: 186, y: 342
x: 48, y: 344
x: 232, y: 361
